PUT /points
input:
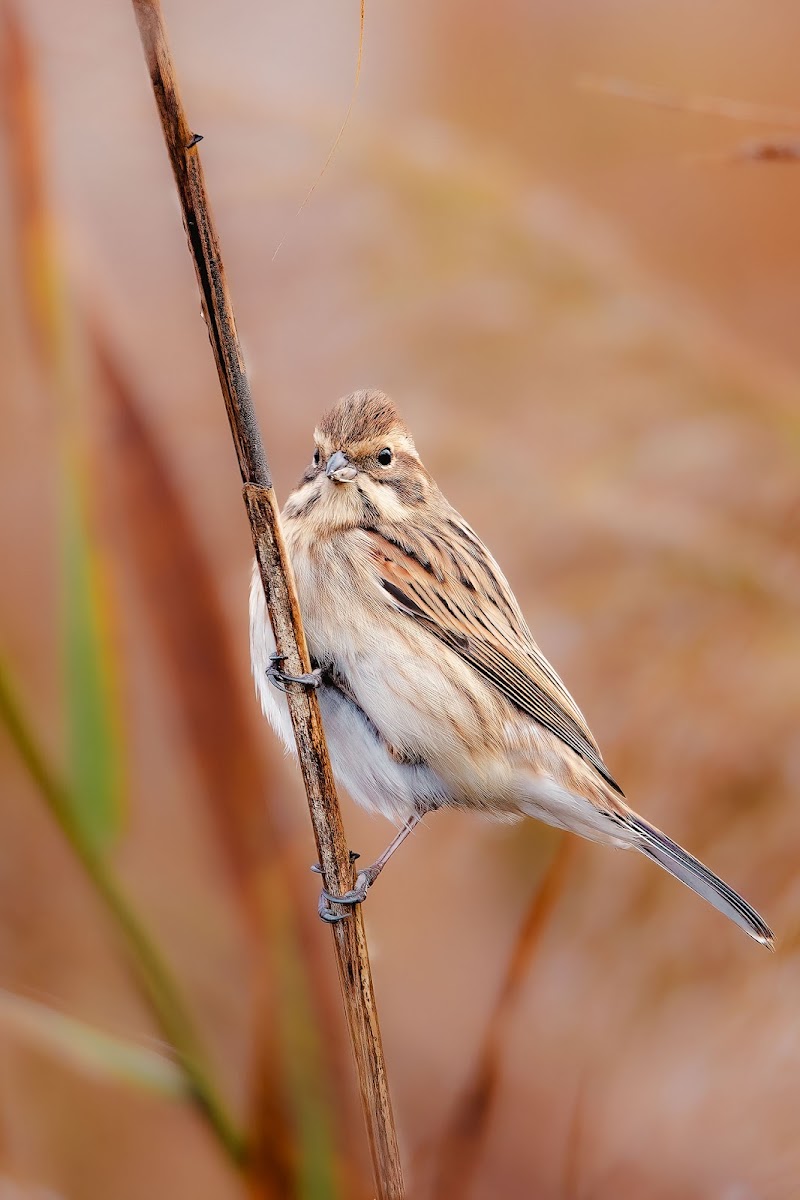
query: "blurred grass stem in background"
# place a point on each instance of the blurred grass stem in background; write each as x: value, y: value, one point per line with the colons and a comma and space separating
x: 90, y: 1050
x: 337, y: 871
x: 708, y: 106
x: 233, y: 780
x: 468, y: 1128
x: 155, y: 976
x: 761, y: 150
x: 87, y: 805
x: 89, y: 681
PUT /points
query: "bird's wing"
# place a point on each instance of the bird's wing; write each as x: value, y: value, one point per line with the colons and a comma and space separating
x: 453, y: 586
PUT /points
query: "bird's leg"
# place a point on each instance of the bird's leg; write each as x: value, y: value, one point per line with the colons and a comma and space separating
x: 366, y: 877
x: 280, y: 679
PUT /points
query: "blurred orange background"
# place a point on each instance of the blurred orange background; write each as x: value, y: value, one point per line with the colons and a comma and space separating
x: 587, y: 308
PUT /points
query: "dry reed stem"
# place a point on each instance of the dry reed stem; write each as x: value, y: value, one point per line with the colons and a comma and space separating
x: 278, y: 581
x: 466, y: 1132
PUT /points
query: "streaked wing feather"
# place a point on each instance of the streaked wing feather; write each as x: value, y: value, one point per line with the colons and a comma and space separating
x: 458, y: 592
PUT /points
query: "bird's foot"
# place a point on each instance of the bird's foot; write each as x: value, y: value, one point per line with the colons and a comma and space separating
x: 364, y: 878
x: 280, y: 679
x: 326, y: 912
x: 356, y: 895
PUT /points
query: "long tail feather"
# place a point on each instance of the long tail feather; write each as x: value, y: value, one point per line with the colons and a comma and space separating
x: 705, y: 883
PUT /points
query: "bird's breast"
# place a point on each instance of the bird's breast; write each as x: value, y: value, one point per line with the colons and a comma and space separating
x: 427, y: 704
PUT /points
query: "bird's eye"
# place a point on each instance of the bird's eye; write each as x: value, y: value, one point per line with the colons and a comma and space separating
x: 316, y: 457
x: 385, y: 457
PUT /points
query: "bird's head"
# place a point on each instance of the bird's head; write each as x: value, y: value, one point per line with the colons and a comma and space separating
x: 364, y: 470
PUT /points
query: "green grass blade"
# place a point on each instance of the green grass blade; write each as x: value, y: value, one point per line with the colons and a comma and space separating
x: 95, y: 768
x: 305, y: 1079
x: 94, y: 771
x: 89, y: 1050
x: 153, y: 971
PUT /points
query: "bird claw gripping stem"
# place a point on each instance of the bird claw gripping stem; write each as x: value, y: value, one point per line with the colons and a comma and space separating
x: 326, y: 897
x: 365, y: 877
x: 280, y: 680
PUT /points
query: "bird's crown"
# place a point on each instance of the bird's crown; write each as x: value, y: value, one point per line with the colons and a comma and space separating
x: 361, y: 417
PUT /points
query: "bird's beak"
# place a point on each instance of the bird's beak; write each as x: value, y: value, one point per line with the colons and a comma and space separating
x: 339, y: 469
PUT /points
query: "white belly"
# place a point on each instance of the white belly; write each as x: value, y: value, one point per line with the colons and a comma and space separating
x: 360, y: 760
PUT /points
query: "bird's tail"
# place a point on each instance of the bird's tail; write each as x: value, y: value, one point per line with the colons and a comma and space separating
x: 689, y: 870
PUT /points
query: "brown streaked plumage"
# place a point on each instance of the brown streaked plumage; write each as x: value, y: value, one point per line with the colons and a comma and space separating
x: 433, y: 691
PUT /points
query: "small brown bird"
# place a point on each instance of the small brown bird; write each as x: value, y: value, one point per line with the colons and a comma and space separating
x: 432, y: 690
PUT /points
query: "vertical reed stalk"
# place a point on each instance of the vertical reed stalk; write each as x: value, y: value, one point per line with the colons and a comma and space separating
x: 278, y: 581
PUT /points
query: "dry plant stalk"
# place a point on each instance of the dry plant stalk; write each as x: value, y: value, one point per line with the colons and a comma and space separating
x: 279, y: 588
